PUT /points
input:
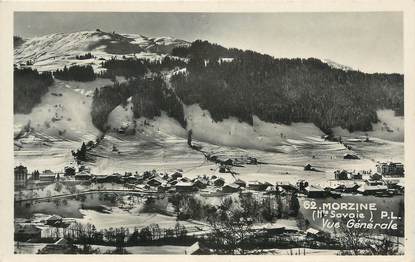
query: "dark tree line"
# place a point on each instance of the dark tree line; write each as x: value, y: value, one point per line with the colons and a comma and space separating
x: 137, y: 68
x: 283, y: 90
x: 150, y: 96
x: 80, y: 154
x: 127, y: 67
x: 167, y: 63
x: 153, y: 96
x: 106, y: 99
x: 76, y: 73
x: 29, y: 86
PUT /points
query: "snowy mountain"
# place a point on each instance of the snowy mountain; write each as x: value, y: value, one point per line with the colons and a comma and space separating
x: 54, y: 51
x: 63, y: 119
x: 336, y: 65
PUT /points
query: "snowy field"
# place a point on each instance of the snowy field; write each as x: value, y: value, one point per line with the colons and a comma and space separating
x: 161, y: 144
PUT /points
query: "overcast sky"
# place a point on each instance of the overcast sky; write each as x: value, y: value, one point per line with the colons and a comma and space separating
x: 370, y: 42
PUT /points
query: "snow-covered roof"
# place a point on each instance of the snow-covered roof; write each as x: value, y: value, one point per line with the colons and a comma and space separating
x: 184, y: 184
x: 233, y: 185
x: 61, y: 242
x: 313, y: 188
x: 193, y: 248
x: 312, y: 231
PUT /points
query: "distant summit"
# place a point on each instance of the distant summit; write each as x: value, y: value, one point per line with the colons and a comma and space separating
x: 54, y: 51
x: 336, y: 65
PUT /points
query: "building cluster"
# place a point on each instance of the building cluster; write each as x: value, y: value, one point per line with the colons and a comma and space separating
x: 390, y: 169
x: 152, y: 181
x: 374, y: 184
x: 23, y: 179
x: 40, y: 226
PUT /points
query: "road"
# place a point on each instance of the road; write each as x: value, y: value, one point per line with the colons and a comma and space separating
x: 135, y: 191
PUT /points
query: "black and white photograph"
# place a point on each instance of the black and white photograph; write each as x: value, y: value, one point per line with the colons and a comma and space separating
x: 209, y: 133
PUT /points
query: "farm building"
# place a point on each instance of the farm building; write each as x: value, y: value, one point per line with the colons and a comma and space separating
x: 341, y: 175
x: 62, y: 246
x: 258, y: 186
x: 316, y: 192
x: 231, y: 188
x: 185, y: 187
x: 350, y: 156
x: 218, y: 182
x: 240, y: 182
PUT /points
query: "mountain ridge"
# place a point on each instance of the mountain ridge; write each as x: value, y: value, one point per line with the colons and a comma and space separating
x: 227, y: 82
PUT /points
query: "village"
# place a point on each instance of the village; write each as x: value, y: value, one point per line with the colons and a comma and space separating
x: 278, y: 203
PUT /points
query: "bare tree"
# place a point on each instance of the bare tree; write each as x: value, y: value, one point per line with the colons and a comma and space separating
x: 231, y: 232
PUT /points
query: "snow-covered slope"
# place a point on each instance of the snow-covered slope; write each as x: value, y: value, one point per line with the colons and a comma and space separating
x: 229, y: 132
x: 53, y: 51
x: 389, y: 127
x: 64, y: 111
x: 58, y: 124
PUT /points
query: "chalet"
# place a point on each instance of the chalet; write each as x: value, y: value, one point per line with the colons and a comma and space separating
x: 316, y: 192
x: 201, y: 182
x: 341, y: 175
x: 311, y: 232
x: 24, y: 232
x: 228, y: 162
x: 155, y: 181
x: 288, y: 187
x: 376, y: 176
x: 176, y: 175
x: 185, y: 187
x: 139, y: 178
x: 395, y: 185
x: 131, y: 180
x: 240, y: 182
x: 272, y: 190
x: 149, y: 175
x: 20, y: 176
x: 224, y: 169
x: 142, y: 187
x: 372, y: 189
x: 307, y: 167
x: 218, y: 182
x: 390, y: 169
x: 173, y: 182
x: 164, y: 187
x: 83, y: 176
x: 62, y: 246
x: 356, y: 176
x: 53, y: 220
x: 184, y: 179
x: 346, y: 188
x: 196, y: 249
x: 252, y: 161
x: 231, y: 188
x: 47, y: 172
x: 69, y: 171
x: 47, y: 177
x: 257, y: 186
x: 350, y: 156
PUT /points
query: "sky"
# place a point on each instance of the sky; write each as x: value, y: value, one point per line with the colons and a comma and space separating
x: 369, y: 42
